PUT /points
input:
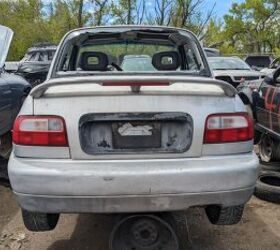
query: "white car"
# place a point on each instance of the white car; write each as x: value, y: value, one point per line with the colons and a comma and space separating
x: 96, y: 139
x: 233, y: 70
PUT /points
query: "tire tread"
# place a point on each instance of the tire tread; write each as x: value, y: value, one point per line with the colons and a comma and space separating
x: 225, y: 215
x: 265, y: 191
x: 39, y: 222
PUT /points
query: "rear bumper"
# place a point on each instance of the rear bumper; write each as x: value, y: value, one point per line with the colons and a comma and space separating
x: 132, y: 185
x: 131, y: 203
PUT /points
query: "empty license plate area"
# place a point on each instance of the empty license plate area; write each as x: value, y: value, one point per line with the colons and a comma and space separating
x: 136, y: 135
x: 137, y: 132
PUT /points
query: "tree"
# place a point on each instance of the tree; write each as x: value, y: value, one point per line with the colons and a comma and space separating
x: 253, y: 26
x: 101, y: 7
x: 123, y: 11
x: 215, y: 37
x: 22, y: 16
x: 163, y: 12
x: 188, y: 14
x: 80, y: 12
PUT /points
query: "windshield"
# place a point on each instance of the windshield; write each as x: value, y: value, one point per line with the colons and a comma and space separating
x: 131, y: 51
x: 39, y: 56
x: 222, y: 63
x: 137, y: 63
x: 258, y: 61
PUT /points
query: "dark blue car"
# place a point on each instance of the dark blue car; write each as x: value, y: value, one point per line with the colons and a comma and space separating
x: 13, y: 91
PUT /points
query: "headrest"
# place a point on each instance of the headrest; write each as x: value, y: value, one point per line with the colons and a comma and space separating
x: 169, y: 60
x: 94, y: 61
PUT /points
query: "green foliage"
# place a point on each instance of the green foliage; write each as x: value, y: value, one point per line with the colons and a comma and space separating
x: 250, y: 27
x: 253, y: 26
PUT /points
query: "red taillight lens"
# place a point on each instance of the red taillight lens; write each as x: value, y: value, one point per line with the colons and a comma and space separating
x: 220, y: 128
x: 40, y: 131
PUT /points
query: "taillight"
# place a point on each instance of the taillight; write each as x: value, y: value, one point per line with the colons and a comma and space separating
x: 40, y: 131
x: 235, y: 127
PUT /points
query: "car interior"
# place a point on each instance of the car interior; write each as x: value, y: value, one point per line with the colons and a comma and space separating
x: 145, y: 50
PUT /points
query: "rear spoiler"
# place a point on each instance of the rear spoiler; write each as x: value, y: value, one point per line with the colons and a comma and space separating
x: 134, y: 81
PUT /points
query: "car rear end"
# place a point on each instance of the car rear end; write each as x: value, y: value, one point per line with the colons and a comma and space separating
x: 122, y: 143
x: 106, y: 152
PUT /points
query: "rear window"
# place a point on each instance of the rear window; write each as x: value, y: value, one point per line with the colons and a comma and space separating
x: 129, y: 56
x: 227, y: 63
x: 258, y: 61
x: 133, y: 51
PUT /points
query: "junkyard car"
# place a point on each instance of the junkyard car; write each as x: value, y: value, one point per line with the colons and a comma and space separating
x: 95, y: 138
x: 272, y: 67
x: 246, y: 92
x: 36, y: 63
x: 13, y: 90
x: 137, y: 63
x: 266, y: 102
x: 258, y: 62
x: 211, y: 52
x: 232, y: 70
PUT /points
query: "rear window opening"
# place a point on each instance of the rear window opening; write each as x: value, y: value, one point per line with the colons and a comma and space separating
x: 131, y: 51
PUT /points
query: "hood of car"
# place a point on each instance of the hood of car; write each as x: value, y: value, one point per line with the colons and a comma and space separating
x: 267, y: 71
x: 236, y: 73
x: 6, y: 35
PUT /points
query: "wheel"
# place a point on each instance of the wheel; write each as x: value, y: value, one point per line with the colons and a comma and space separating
x: 178, y: 222
x: 182, y: 232
x: 143, y: 232
x: 268, y: 186
x: 224, y: 215
x: 269, y: 149
x: 39, y: 222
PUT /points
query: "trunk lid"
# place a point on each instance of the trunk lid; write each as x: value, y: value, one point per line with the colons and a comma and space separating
x: 113, y: 122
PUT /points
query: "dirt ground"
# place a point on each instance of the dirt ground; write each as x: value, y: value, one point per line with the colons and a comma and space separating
x: 259, y: 229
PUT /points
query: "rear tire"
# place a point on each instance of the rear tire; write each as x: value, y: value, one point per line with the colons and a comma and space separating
x: 39, y: 222
x: 268, y: 186
x: 224, y: 215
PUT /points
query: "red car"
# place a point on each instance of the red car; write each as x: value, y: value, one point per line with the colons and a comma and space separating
x: 266, y: 102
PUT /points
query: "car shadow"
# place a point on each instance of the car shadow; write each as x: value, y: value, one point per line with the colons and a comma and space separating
x: 8, y: 207
x: 93, y: 232
x: 4, y: 178
x: 251, y: 233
